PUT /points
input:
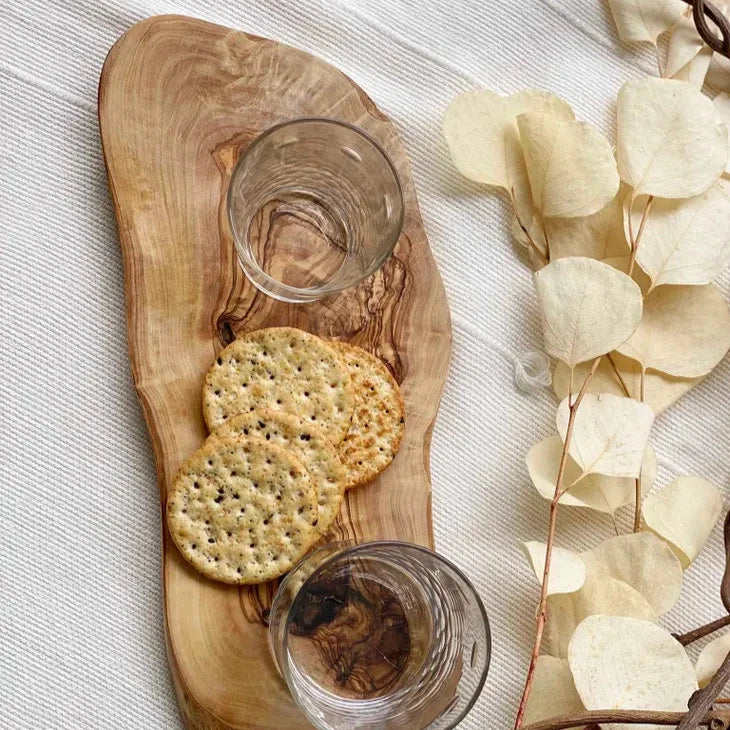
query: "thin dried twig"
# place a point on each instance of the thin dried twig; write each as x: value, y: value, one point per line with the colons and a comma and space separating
x: 542, y: 608
x: 702, y: 631
x: 628, y: 717
x: 618, y: 375
x: 635, y: 241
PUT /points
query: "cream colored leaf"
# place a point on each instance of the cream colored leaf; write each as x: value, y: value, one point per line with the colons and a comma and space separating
x: 695, y: 71
x: 481, y: 131
x: 685, y: 241
x: 610, y: 434
x: 710, y: 659
x: 660, y: 390
x: 592, y: 491
x: 629, y: 664
x: 644, y: 20
x: 670, y: 140
x: 598, y: 236
x: 722, y: 105
x: 684, y: 44
x: 570, y: 165
x: 683, y: 514
x: 685, y: 331
x: 643, y: 561
x: 598, y: 595
x: 718, y: 75
x: 588, y: 308
x: 553, y: 691
x: 567, y: 570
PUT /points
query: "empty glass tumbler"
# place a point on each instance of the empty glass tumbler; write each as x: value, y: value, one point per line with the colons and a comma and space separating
x: 315, y: 206
x: 380, y: 635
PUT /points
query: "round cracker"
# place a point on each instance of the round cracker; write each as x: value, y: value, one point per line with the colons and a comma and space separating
x: 308, y: 443
x: 241, y: 510
x: 284, y: 369
x: 378, y: 420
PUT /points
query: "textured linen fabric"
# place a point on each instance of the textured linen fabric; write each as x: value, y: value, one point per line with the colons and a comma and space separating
x: 81, y: 629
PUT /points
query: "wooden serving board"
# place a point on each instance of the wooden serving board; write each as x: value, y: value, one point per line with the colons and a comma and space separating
x: 179, y: 99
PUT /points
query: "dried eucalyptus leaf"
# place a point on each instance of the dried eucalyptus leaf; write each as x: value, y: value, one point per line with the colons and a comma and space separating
x: 588, y: 308
x: 607, y: 596
x: 643, y: 561
x: 695, y: 71
x: 671, y: 142
x: 685, y: 241
x: 481, y: 131
x: 683, y: 514
x: 722, y: 106
x: 629, y: 664
x: 660, y: 390
x: 592, y: 491
x: 684, y: 44
x: 570, y: 165
x: 553, y: 691
x: 711, y: 657
x: 685, y: 331
x: 644, y: 20
x: 597, y: 236
x: 567, y: 570
x: 718, y: 75
x: 610, y: 434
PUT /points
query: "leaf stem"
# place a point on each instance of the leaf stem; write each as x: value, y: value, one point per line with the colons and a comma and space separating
x: 637, y: 482
x: 618, y: 375
x: 701, y: 631
x: 544, y: 255
x: 635, y: 241
x: 542, y: 608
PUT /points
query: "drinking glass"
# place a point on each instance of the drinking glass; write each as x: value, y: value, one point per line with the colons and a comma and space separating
x: 315, y: 206
x: 380, y: 635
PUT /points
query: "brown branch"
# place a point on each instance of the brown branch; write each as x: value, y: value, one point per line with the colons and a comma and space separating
x: 635, y: 241
x: 542, y: 608
x: 628, y: 717
x: 637, y: 481
x: 702, y: 631
x: 701, y: 701
x: 700, y: 8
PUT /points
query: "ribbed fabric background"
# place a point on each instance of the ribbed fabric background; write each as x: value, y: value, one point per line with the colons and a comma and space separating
x: 80, y: 597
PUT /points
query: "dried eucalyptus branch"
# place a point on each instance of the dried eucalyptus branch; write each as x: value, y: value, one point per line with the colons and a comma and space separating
x: 628, y: 717
x: 542, y: 607
x: 703, y: 700
x: 635, y: 241
x: 702, y: 631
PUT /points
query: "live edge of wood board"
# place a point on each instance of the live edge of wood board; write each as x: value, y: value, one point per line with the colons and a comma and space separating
x: 179, y: 99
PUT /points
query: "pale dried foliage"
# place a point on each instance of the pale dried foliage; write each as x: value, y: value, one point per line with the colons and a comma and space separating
x: 623, y: 280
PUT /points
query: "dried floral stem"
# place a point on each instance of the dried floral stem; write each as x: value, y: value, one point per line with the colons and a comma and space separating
x: 542, y: 608
x: 544, y: 255
x: 702, y: 631
x: 618, y: 375
x: 637, y: 482
x: 628, y: 717
x: 635, y: 241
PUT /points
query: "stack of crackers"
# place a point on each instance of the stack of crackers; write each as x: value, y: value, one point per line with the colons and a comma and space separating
x: 294, y: 421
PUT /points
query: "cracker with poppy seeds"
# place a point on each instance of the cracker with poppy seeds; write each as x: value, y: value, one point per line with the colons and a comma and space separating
x: 308, y: 443
x: 241, y: 510
x: 285, y: 369
x: 378, y: 420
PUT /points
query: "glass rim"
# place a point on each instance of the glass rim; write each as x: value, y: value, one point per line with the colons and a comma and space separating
x: 306, y: 294
x: 363, y: 547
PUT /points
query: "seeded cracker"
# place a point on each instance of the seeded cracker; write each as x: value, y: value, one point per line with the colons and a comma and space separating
x: 378, y: 421
x: 308, y: 444
x: 241, y: 510
x: 285, y: 369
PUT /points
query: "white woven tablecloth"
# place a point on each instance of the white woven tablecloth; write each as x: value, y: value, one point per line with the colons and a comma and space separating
x: 81, y: 637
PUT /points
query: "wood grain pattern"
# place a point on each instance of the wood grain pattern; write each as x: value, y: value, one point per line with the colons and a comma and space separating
x: 179, y: 99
